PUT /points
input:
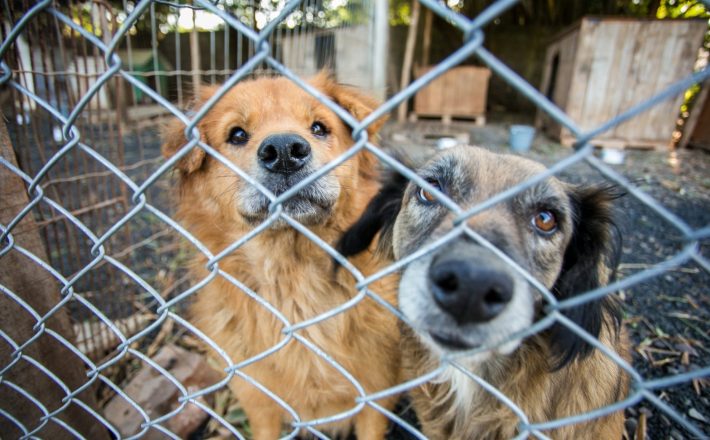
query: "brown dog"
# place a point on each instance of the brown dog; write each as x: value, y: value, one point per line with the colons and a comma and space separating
x: 278, y: 134
x: 462, y: 296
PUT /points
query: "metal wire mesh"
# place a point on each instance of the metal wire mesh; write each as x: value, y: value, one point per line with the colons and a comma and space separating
x: 166, y: 310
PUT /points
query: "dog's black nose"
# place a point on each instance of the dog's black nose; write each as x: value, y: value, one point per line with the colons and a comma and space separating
x: 284, y: 153
x: 468, y: 291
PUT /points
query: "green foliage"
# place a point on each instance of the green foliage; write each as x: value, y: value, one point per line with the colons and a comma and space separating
x: 682, y: 9
x: 400, y: 12
x: 319, y: 14
x: 563, y: 12
x: 689, y: 98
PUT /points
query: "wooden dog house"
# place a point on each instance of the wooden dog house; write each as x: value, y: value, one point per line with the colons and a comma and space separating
x: 601, y: 67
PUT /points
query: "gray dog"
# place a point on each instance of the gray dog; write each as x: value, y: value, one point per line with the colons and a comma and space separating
x: 463, y: 296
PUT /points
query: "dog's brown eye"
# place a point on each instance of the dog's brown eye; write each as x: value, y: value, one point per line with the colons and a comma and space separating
x: 319, y: 130
x: 427, y: 197
x: 238, y: 136
x: 545, y: 222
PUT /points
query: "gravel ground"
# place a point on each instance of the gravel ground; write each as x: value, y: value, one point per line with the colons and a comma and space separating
x: 667, y: 315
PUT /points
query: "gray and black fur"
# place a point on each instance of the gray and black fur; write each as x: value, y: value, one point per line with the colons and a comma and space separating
x: 462, y: 296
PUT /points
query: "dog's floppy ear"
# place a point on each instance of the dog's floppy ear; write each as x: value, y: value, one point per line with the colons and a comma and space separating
x: 350, y: 98
x: 379, y: 216
x: 590, y: 261
x: 173, y: 135
x: 357, y: 104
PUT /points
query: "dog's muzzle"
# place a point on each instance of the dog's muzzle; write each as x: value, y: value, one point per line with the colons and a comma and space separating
x: 463, y: 297
x: 283, y: 160
x: 470, y: 291
x: 284, y: 153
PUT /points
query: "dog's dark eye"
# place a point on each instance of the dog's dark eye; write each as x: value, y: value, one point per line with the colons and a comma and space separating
x: 427, y: 197
x: 545, y: 222
x: 238, y: 136
x: 319, y: 129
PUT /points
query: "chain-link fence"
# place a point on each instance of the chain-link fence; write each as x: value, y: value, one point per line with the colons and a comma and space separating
x: 49, y: 382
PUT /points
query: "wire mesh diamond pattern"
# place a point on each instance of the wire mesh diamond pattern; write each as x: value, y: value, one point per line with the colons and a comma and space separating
x: 22, y: 349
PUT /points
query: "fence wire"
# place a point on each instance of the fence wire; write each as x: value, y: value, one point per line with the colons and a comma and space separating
x: 74, y: 396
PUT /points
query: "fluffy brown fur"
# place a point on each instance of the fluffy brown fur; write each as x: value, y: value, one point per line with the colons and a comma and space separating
x: 281, y: 265
x: 462, y: 296
x: 527, y: 379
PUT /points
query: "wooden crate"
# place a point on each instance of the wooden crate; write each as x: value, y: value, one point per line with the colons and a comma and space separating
x: 461, y: 92
x: 601, y: 67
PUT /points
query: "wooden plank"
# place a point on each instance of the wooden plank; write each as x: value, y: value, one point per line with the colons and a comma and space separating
x: 195, y: 63
x: 619, y: 143
x: 582, y: 68
x: 40, y: 291
x: 659, y: 121
x: 408, y: 58
x: 622, y: 65
x: 604, y: 54
x: 630, y: 144
x: 461, y: 91
x: 447, y: 119
x: 643, y: 70
x: 579, y: 80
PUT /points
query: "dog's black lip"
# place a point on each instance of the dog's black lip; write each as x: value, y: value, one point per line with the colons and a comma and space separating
x: 450, y: 341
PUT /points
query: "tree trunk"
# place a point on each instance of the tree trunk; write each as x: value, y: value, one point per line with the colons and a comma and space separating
x: 40, y: 291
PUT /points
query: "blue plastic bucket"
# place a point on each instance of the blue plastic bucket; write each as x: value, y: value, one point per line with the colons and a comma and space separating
x: 521, y: 137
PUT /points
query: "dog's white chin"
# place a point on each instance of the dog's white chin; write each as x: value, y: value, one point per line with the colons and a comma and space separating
x: 471, y: 356
x: 255, y: 210
x: 312, y: 205
x: 304, y: 214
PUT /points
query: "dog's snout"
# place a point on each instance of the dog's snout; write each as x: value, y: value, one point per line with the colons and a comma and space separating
x: 284, y: 153
x: 468, y: 291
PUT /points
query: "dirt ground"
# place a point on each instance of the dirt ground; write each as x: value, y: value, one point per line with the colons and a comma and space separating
x: 668, y: 316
